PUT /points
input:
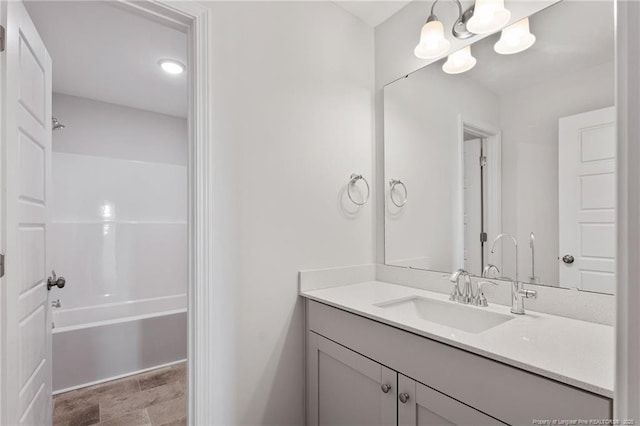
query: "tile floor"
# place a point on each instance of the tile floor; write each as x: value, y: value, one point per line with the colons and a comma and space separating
x: 155, y: 398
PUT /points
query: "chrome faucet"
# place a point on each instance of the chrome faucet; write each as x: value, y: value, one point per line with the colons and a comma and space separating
x: 466, y: 295
x: 518, y: 293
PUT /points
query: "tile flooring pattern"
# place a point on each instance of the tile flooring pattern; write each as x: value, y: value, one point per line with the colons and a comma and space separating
x: 149, y: 399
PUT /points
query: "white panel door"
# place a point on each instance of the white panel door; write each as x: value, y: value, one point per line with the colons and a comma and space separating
x: 346, y: 388
x: 26, y: 368
x: 587, y: 190
x: 419, y: 405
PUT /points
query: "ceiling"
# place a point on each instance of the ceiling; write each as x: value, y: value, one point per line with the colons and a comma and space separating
x: 106, y: 53
x: 372, y: 12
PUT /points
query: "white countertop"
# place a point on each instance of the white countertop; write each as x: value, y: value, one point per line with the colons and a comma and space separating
x: 574, y: 352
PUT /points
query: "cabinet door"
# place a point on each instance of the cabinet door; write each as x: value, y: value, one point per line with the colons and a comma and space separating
x: 424, y: 406
x: 346, y: 388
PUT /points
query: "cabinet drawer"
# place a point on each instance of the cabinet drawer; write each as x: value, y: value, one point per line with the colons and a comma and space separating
x: 512, y: 395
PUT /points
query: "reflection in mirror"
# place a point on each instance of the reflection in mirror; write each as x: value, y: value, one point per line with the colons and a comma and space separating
x: 522, y: 144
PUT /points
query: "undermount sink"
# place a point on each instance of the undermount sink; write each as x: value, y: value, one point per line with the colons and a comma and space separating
x: 450, y: 314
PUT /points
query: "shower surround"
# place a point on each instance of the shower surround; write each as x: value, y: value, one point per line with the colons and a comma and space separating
x: 119, y: 237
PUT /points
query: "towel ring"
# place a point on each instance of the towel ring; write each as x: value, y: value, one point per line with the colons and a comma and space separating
x: 352, y: 181
x: 392, y: 186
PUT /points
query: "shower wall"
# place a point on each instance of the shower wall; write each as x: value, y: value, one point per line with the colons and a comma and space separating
x: 119, y: 237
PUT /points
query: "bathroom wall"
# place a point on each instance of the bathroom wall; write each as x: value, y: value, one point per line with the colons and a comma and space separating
x: 530, y: 160
x: 293, y: 118
x: 119, y: 204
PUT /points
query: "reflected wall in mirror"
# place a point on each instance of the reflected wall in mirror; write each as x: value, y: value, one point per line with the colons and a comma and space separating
x: 521, y: 144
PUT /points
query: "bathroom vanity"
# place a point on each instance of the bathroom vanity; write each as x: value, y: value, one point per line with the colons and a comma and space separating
x: 380, y: 353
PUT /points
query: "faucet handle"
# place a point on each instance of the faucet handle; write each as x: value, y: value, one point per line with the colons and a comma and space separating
x: 529, y: 294
x: 454, y: 277
x: 480, y: 299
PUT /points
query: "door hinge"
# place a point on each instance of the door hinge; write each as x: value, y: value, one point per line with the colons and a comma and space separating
x: 3, y: 37
x: 483, y: 237
x: 1, y: 265
x: 483, y: 161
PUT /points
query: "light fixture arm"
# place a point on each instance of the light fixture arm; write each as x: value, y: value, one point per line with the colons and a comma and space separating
x: 459, y: 29
x: 457, y: 2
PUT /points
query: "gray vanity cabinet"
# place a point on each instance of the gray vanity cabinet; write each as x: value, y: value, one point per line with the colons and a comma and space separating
x: 350, y: 358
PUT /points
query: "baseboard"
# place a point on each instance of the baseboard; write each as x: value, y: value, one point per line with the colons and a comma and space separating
x: 121, y: 376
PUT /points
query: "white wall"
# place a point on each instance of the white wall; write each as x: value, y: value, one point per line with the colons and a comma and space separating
x: 119, y: 212
x: 108, y: 130
x: 293, y: 110
x: 422, y: 132
x: 530, y: 161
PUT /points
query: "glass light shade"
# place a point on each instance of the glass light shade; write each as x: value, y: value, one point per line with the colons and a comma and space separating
x: 488, y: 16
x: 515, y: 38
x: 459, y: 62
x: 432, y: 41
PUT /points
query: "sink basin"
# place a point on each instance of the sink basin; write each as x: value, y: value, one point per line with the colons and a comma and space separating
x: 450, y: 314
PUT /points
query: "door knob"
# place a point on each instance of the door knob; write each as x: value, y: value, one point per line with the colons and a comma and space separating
x: 403, y: 397
x: 567, y: 258
x: 54, y: 281
x: 385, y: 388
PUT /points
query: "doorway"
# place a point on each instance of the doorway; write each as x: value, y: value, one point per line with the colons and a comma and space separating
x: 30, y: 402
x: 119, y: 209
x: 479, y: 195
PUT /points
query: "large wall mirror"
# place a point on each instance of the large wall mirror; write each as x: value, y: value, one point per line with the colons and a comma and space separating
x: 522, y: 144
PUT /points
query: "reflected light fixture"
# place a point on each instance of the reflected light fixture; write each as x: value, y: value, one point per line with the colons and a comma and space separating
x: 459, y: 62
x: 433, y: 42
x: 171, y: 66
x: 515, y: 38
x: 488, y: 16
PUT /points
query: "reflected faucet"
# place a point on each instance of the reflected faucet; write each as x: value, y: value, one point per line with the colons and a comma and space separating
x: 487, y: 269
x: 518, y: 293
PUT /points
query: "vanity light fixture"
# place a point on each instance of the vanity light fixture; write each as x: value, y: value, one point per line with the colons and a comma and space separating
x: 171, y: 66
x: 459, y: 62
x: 433, y: 42
x: 515, y: 38
x: 488, y: 16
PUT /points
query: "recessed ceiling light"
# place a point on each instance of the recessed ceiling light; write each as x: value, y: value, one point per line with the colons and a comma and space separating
x: 171, y: 66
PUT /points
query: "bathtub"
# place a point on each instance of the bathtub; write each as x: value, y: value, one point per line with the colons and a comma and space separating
x: 100, y: 343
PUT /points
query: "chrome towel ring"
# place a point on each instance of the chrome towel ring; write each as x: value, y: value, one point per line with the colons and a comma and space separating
x: 352, y: 182
x: 392, y: 186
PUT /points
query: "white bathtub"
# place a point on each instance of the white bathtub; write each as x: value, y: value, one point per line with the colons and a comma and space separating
x: 100, y: 343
